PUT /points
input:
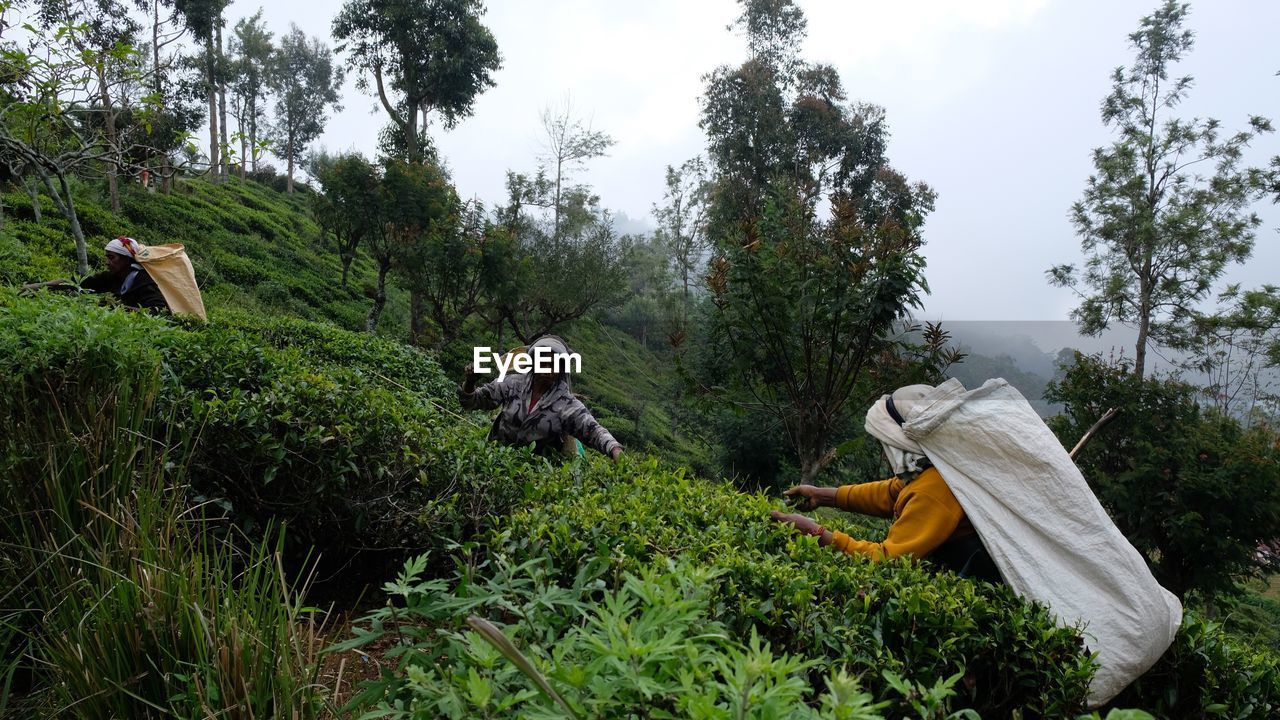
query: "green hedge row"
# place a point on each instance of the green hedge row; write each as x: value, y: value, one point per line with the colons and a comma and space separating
x: 348, y: 440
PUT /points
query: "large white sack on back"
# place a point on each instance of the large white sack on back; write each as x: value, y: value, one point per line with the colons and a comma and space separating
x: 1045, y: 529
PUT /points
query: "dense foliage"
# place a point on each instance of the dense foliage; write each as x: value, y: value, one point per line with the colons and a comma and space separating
x: 597, y: 531
x: 1192, y: 489
x: 343, y: 438
x: 118, y: 599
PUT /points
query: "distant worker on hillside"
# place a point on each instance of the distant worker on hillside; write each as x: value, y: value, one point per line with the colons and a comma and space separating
x: 125, y: 278
x: 538, y: 408
x: 928, y: 521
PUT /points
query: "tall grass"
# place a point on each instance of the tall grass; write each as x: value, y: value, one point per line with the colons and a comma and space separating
x: 118, y: 600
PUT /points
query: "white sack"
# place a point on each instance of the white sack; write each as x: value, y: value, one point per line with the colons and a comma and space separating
x: 1043, y: 526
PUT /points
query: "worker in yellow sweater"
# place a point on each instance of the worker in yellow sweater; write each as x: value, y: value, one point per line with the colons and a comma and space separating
x: 928, y: 521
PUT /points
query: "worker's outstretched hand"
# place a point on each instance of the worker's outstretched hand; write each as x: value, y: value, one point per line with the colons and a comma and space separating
x: 808, y: 526
x: 805, y: 497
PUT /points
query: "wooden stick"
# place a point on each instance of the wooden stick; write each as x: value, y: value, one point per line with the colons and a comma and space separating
x: 1107, y: 417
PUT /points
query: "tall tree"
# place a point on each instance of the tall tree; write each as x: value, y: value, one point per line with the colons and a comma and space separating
x: 816, y: 239
x: 306, y: 84
x: 1166, y: 210
x: 102, y: 26
x: 204, y: 19
x: 175, y: 115
x: 347, y: 203
x: 221, y: 76
x: 251, y: 53
x: 682, y: 220
x: 572, y: 261
x: 568, y: 144
x: 48, y: 126
x: 430, y: 55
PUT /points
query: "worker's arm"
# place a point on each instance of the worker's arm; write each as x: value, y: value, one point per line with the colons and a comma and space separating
x: 49, y: 284
x: 578, y: 421
x: 486, y: 397
x: 872, y: 498
x: 924, y: 525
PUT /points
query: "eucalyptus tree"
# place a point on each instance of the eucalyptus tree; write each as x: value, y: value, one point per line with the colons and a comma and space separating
x: 306, y: 85
x: 1167, y: 208
x: 204, y: 19
x: 251, y: 51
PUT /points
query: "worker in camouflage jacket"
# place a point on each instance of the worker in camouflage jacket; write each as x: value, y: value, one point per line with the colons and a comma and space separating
x: 538, y: 409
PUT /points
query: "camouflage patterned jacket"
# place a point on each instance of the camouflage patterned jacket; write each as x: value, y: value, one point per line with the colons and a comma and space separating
x: 557, y: 413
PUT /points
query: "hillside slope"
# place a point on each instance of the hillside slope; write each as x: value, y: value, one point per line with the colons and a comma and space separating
x: 630, y: 586
x: 252, y: 247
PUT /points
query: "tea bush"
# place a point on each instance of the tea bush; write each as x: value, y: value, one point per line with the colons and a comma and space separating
x: 1206, y: 674
x: 888, y: 625
x: 238, y: 234
x: 346, y: 439
x: 909, y: 642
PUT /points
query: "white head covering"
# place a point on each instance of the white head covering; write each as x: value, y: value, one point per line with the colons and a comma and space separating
x: 125, y: 246
x: 905, y: 456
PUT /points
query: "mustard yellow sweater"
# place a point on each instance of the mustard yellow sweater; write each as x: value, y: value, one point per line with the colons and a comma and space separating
x: 925, y: 515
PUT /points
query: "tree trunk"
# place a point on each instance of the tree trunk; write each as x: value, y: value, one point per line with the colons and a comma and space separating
x: 253, y: 129
x: 411, y: 136
x: 289, y: 152
x: 109, y: 118
x: 67, y: 205
x: 33, y: 190
x: 346, y: 266
x: 243, y: 153
x: 811, y: 466
x: 155, y: 50
x: 415, y: 318
x: 1144, y: 326
x: 158, y: 85
x: 211, y: 94
x: 379, y: 297
x: 222, y: 99
x: 1140, y: 352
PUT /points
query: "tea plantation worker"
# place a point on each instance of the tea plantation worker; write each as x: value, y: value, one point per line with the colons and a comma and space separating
x: 124, y: 278
x: 538, y: 408
x: 928, y: 521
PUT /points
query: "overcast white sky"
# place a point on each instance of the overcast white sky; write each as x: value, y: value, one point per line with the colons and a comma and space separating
x: 992, y: 102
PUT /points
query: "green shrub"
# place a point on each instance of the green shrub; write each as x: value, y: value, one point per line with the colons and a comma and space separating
x: 346, y: 439
x: 986, y: 648
x: 1208, y: 674
x: 118, y: 602
x: 1191, y: 489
